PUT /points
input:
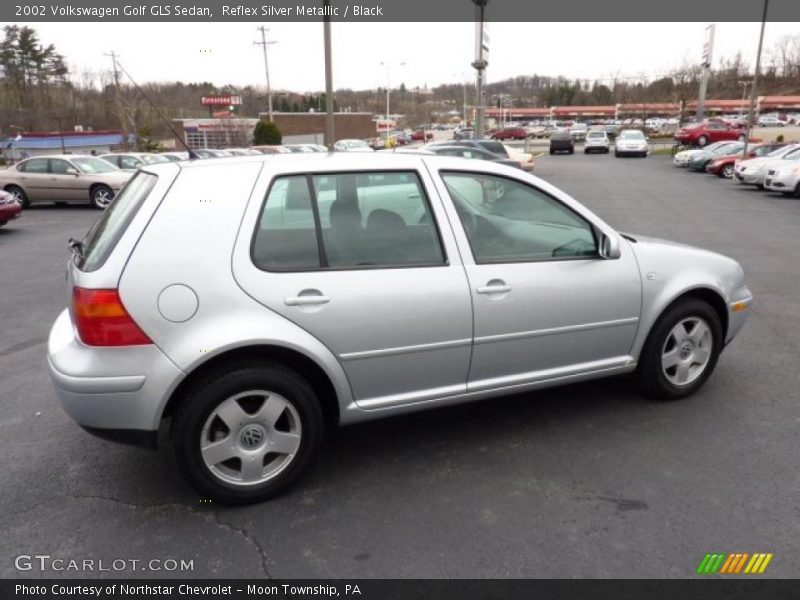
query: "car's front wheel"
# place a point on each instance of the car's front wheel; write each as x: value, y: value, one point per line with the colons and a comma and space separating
x: 101, y: 196
x: 246, y: 433
x: 681, y: 351
x: 19, y: 194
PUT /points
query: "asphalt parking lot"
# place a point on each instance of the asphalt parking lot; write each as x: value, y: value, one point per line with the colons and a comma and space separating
x: 589, y: 480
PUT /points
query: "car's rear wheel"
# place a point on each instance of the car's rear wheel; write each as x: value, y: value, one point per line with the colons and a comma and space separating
x: 681, y: 351
x: 19, y: 194
x: 702, y: 141
x: 726, y: 171
x: 741, y: 138
x: 247, y: 433
x: 101, y: 196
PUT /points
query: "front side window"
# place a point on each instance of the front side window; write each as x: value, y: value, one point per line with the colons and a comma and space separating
x: 59, y: 166
x: 508, y: 221
x: 346, y: 220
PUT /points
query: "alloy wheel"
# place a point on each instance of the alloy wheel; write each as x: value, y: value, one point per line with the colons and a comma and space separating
x: 687, y: 351
x: 251, y: 437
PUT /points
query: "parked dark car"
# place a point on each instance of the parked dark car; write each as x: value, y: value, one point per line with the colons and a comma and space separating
x: 474, y: 152
x: 561, y: 141
x: 611, y: 131
x: 511, y: 133
x: 10, y: 207
x: 421, y: 135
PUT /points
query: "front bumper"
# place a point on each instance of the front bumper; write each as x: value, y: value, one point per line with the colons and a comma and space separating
x: 739, y: 308
x: 780, y: 183
x: 114, y: 392
x: 750, y: 177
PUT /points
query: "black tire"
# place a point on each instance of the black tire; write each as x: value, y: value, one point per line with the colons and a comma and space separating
x: 650, y: 374
x: 606, y: 151
x: 726, y: 171
x: 797, y: 190
x: 552, y: 151
x: 702, y: 141
x: 616, y: 154
x: 572, y: 150
x: 207, y: 394
x: 101, y: 196
x: 17, y: 191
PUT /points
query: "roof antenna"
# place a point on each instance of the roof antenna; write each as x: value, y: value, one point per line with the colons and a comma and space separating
x: 191, y: 152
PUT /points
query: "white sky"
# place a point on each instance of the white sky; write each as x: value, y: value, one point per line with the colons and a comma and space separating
x: 433, y: 53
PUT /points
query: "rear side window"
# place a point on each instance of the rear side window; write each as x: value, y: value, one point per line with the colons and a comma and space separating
x: 346, y: 220
x: 107, y: 231
x: 34, y: 165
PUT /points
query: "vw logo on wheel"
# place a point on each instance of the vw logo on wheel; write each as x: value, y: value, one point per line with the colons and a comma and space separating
x: 252, y: 437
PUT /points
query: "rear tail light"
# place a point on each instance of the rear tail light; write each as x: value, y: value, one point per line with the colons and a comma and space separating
x: 101, y: 319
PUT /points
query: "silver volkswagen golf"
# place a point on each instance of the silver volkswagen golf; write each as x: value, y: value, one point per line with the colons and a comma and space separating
x: 257, y: 301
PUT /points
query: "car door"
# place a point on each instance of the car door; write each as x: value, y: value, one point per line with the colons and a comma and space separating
x: 361, y: 261
x: 65, y: 181
x: 34, y: 178
x: 546, y: 304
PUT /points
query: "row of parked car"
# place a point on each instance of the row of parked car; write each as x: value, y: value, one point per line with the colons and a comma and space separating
x: 773, y: 166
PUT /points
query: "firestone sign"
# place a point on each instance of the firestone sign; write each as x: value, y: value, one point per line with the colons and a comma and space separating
x: 221, y: 100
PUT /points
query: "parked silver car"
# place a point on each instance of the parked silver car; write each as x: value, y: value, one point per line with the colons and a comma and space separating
x: 259, y: 300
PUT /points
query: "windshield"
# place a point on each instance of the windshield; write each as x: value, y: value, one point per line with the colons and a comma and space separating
x: 631, y: 134
x: 781, y: 151
x: 153, y: 158
x: 596, y: 134
x: 93, y: 165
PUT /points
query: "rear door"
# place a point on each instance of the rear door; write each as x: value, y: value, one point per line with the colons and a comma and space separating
x: 365, y: 262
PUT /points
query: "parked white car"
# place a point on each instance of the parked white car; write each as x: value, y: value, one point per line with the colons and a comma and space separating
x: 785, y: 180
x: 352, y: 146
x: 631, y: 142
x: 596, y: 141
x: 771, y: 122
x: 754, y: 171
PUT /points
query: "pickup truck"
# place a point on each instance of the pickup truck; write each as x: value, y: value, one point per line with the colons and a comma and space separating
x: 708, y: 132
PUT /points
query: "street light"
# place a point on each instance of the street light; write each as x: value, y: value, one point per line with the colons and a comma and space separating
x: 755, y: 82
x: 388, y: 83
x: 264, y: 43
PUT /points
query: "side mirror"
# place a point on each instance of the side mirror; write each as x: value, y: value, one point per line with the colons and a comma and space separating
x: 72, y: 171
x: 609, y: 246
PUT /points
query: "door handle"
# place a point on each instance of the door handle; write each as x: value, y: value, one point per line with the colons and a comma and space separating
x: 494, y: 287
x: 306, y: 300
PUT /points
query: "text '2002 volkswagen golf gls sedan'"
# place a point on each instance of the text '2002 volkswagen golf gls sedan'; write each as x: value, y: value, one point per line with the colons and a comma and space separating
x: 257, y: 301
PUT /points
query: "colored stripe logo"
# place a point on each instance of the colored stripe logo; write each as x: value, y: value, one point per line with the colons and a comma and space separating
x: 731, y: 564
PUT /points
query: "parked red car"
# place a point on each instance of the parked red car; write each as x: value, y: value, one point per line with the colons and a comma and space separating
x: 420, y: 135
x: 708, y: 132
x: 723, y: 166
x: 9, y: 208
x: 510, y: 133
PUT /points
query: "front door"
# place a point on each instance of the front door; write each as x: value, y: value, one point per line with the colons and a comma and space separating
x: 358, y: 260
x: 546, y: 304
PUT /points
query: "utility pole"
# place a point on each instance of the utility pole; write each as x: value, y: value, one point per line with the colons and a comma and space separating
x: 388, y: 84
x: 329, y: 139
x: 480, y: 64
x: 750, y: 113
x: 708, y: 48
x: 264, y: 43
x: 122, y: 113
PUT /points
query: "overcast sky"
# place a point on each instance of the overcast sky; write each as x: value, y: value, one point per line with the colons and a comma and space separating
x: 433, y: 53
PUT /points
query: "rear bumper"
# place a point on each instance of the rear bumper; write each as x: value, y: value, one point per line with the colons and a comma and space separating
x: 116, y: 393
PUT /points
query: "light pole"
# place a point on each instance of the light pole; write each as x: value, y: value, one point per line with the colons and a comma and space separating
x: 480, y: 65
x: 744, y: 85
x: 264, y: 43
x: 388, y: 83
x: 328, y: 76
x: 755, y: 81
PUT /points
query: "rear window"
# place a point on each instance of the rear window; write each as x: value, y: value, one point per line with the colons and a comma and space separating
x: 107, y: 231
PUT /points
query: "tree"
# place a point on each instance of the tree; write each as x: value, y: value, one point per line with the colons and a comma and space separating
x: 266, y: 133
